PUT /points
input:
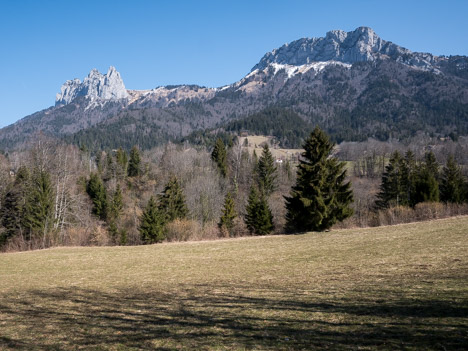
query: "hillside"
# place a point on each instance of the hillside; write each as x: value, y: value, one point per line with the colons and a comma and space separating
x: 354, y: 85
x: 388, y: 288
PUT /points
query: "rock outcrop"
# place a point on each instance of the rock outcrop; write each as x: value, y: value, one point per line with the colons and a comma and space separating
x: 362, y: 44
x: 95, y: 86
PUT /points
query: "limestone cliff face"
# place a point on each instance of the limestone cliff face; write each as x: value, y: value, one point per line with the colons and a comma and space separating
x: 360, y: 45
x: 95, y: 86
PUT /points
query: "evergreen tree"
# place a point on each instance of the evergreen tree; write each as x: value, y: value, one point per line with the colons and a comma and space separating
x: 392, y: 190
x: 172, y: 201
x: 152, y: 224
x: 258, y: 218
x: 431, y: 165
x: 452, y: 184
x: 251, y: 209
x: 408, y: 178
x: 39, y: 206
x: 426, y: 188
x: 321, y: 196
x: 267, y: 172
x: 134, y: 167
x: 13, y: 205
x: 97, y: 192
x: 228, y: 214
x: 264, y: 221
x: 116, y: 203
x: 219, y: 156
x: 121, y: 158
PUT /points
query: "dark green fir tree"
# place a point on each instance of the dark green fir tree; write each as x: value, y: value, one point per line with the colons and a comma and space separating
x: 219, y: 156
x: 172, y: 201
x: 152, y: 224
x: 229, y: 214
x: 97, y: 192
x: 134, y: 164
x: 40, y: 204
x: 321, y: 196
x: 452, y: 185
x: 266, y: 172
x: 392, y: 190
x: 258, y: 218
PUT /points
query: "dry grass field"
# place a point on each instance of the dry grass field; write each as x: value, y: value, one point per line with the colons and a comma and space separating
x: 402, y: 287
x: 255, y: 142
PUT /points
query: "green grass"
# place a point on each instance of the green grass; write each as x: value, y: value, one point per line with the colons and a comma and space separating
x: 391, y: 288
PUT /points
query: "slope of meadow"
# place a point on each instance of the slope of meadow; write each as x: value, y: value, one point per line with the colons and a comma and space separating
x: 388, y: 288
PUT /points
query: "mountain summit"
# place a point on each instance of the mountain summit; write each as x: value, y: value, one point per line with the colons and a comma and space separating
x: 95, y: 86
x: 360, y: 45
x: 354, y: 85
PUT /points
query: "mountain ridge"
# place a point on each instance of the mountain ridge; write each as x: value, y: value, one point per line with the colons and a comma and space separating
x: 366, y: 83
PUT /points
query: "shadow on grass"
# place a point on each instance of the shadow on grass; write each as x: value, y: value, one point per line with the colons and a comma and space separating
x: 206, y: 317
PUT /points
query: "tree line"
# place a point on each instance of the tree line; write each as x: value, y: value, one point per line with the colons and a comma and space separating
x: 58, y: 194
x: 407, y: 181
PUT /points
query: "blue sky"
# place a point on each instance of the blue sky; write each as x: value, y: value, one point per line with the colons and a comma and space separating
x: 212, y: 43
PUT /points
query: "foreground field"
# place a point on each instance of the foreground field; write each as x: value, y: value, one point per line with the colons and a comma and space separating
x: 401, y: 287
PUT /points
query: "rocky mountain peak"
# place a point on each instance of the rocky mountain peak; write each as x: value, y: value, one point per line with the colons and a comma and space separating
x: 96, y: 86
x: 362, y: 44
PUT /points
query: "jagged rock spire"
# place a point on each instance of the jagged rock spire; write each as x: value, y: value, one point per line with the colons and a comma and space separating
x: 95, y: 86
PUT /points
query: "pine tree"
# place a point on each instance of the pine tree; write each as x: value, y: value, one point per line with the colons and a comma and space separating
x: 321, y: 196
x: 426, y: 188
x: 116, y: 204
x: 251, y: 209
x: 431, y: 165
x: 267, y: 172
x: 392, y: 190
x: 39, y: 206
x: 121, y: 158
x: 134, y: 167
x: 152, y: 224
x: 264, y: 223
x: 172, y: 201
x: 258, y: 218
x: 219, y: 156
x: 408, y: 178
x: 452, y: 184
x: 13, y: 205
x: 97, y: 192
x: 228, y: 214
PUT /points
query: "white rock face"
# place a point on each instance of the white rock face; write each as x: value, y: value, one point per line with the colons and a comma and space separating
x: 95, y: 86
x: 362, y: 44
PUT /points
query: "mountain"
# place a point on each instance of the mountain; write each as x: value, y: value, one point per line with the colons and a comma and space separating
x: 354, y: 84
x: 97, y: 86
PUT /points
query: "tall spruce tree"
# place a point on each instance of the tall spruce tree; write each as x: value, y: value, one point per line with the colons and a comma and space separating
x: 116, y: 204
x: 426, y: 188
x: 229, y: 214
x: 97, y: 192
x: 251, y: 209
x: 219, y: 156
x: 408, y: 178
x: 258, y: 218
x: 172, y: 201
x: 392, y: 190
x: 452, y: 186
x: 39, y: 206
x: 13, y: 205
x: 266, y: 172
x: 152, y: 223
x: 321, y: 196
x: 134, y: 164
x: 431, y: 165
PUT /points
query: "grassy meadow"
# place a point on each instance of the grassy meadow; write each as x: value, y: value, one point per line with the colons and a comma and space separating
x: 401, y: 287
